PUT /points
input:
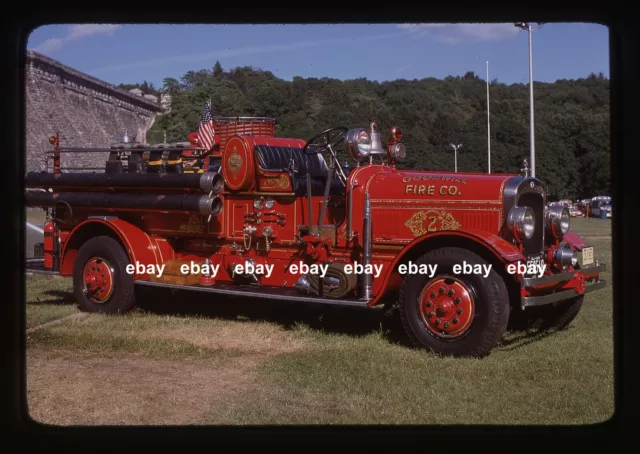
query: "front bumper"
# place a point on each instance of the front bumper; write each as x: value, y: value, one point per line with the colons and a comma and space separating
x: 560, y: 287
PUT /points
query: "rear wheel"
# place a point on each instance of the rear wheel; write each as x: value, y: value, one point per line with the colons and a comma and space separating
x: 101, y: 283
x: 454, y: 314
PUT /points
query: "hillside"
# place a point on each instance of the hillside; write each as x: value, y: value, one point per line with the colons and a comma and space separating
x: 572, y: 118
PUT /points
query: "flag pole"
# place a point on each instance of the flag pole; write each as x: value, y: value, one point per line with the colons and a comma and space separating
x: 488, y: 123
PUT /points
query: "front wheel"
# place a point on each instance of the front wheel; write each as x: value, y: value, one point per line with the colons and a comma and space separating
x: 100, y: 281
x: 454, y: 314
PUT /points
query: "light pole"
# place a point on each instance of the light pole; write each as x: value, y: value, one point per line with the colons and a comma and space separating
x: 488, y: 124
x: 455, y: 154
x: 532, y: 152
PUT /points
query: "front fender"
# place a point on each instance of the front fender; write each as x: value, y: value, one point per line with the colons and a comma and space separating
x: 138, y: 245
x: 574, y: 240
x: 502, y: 250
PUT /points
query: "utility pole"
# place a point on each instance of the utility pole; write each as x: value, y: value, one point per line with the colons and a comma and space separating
x: 532, y: 153
x: 488, y: 123
x: 455, y: 154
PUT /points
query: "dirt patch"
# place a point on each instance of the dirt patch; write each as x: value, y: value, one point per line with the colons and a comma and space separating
x: 236, y: 336
x: 66, y: 388
x: 58, y: 321
x: 71, y: 387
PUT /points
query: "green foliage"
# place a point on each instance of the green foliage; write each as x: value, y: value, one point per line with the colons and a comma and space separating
x: 571, y: 118
x: 146, y: 87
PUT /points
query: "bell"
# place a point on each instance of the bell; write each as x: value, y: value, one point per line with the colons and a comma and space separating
x: 376, y: 142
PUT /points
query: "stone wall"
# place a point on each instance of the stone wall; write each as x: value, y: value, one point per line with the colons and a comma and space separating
x: 87, y: 112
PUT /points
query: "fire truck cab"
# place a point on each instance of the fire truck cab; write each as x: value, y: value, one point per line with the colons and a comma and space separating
x: 456, y: 254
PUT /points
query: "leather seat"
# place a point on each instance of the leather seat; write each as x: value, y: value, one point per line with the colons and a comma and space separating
x: 297, y: 163
x: 277, y: 159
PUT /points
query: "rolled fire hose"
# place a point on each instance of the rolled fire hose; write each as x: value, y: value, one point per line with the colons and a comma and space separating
x: 346, y: 282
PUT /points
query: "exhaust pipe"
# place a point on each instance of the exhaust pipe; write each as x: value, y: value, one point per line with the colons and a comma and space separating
x: 367, y: 234
x: 207, y: 182
x: 173, y: 202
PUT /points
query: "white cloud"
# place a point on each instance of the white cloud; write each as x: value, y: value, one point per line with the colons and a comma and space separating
x: 82, y: 30
x: 401, y: 69
x: 234, y: 52
x: 460, y: 33
x: 76, y: 32
x: 50, y: 45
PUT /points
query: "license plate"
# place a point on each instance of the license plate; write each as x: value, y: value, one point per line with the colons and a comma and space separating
x: 587, y: 256
x: 534, y: 263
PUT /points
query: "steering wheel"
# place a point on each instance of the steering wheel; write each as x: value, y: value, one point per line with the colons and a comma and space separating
x: 325, y: 140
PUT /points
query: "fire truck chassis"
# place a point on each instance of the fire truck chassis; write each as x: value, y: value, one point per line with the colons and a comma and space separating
x: 259, y: 208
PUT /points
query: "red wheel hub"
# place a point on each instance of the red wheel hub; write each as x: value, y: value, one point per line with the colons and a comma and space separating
x: 98, y: 280
x: 447, y: 307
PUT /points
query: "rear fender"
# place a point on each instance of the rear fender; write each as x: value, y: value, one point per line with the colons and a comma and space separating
x: 139, y: 246
x: 495, y: 249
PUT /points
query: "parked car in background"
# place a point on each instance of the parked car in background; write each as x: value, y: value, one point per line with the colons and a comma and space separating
x: 576, y: 210
x: 598, y: 204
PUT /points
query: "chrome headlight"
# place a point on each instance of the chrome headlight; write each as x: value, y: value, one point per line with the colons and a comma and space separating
x: 565, y: 255
x: 558, y: 220
x: 397, y: 152
x: 358, y: 143
x: 522, y: 221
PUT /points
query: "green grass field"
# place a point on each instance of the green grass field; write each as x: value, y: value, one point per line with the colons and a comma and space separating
x: 192, y: 360
x: 591, y: 226
x: 35, y: 215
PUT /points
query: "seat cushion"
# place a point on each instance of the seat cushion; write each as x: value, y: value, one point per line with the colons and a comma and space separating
x: 277, y: 159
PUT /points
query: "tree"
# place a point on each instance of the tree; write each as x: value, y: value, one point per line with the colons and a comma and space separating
x: 572, y: 118
x: 217, y: 69
x: 171, y: 85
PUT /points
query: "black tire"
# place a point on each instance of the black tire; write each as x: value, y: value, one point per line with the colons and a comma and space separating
x: 119, y: 297
x: 550, y: 318
x: 559, y: 317
x: 487, y: 320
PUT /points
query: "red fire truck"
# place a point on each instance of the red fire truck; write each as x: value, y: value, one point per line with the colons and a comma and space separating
x: 457, y: 254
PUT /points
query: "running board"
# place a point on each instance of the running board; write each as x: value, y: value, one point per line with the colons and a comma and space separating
x: 36, y: 266
x: 273, y: 293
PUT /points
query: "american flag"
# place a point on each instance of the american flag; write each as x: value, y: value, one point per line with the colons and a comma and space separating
x: 205, y: 130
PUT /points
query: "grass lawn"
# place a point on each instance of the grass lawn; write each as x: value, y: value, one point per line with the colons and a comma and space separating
x: 591, y: 226
x: 186, y: 359
x: 35, y: 215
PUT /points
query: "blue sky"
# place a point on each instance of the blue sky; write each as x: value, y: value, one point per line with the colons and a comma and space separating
x: 131, y: 53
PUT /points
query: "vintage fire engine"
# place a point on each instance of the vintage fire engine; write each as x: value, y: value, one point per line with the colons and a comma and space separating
x: 456, y: 254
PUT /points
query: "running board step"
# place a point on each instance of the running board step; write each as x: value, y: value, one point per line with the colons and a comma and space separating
x: 273, y: 293
x: 36, y: 266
